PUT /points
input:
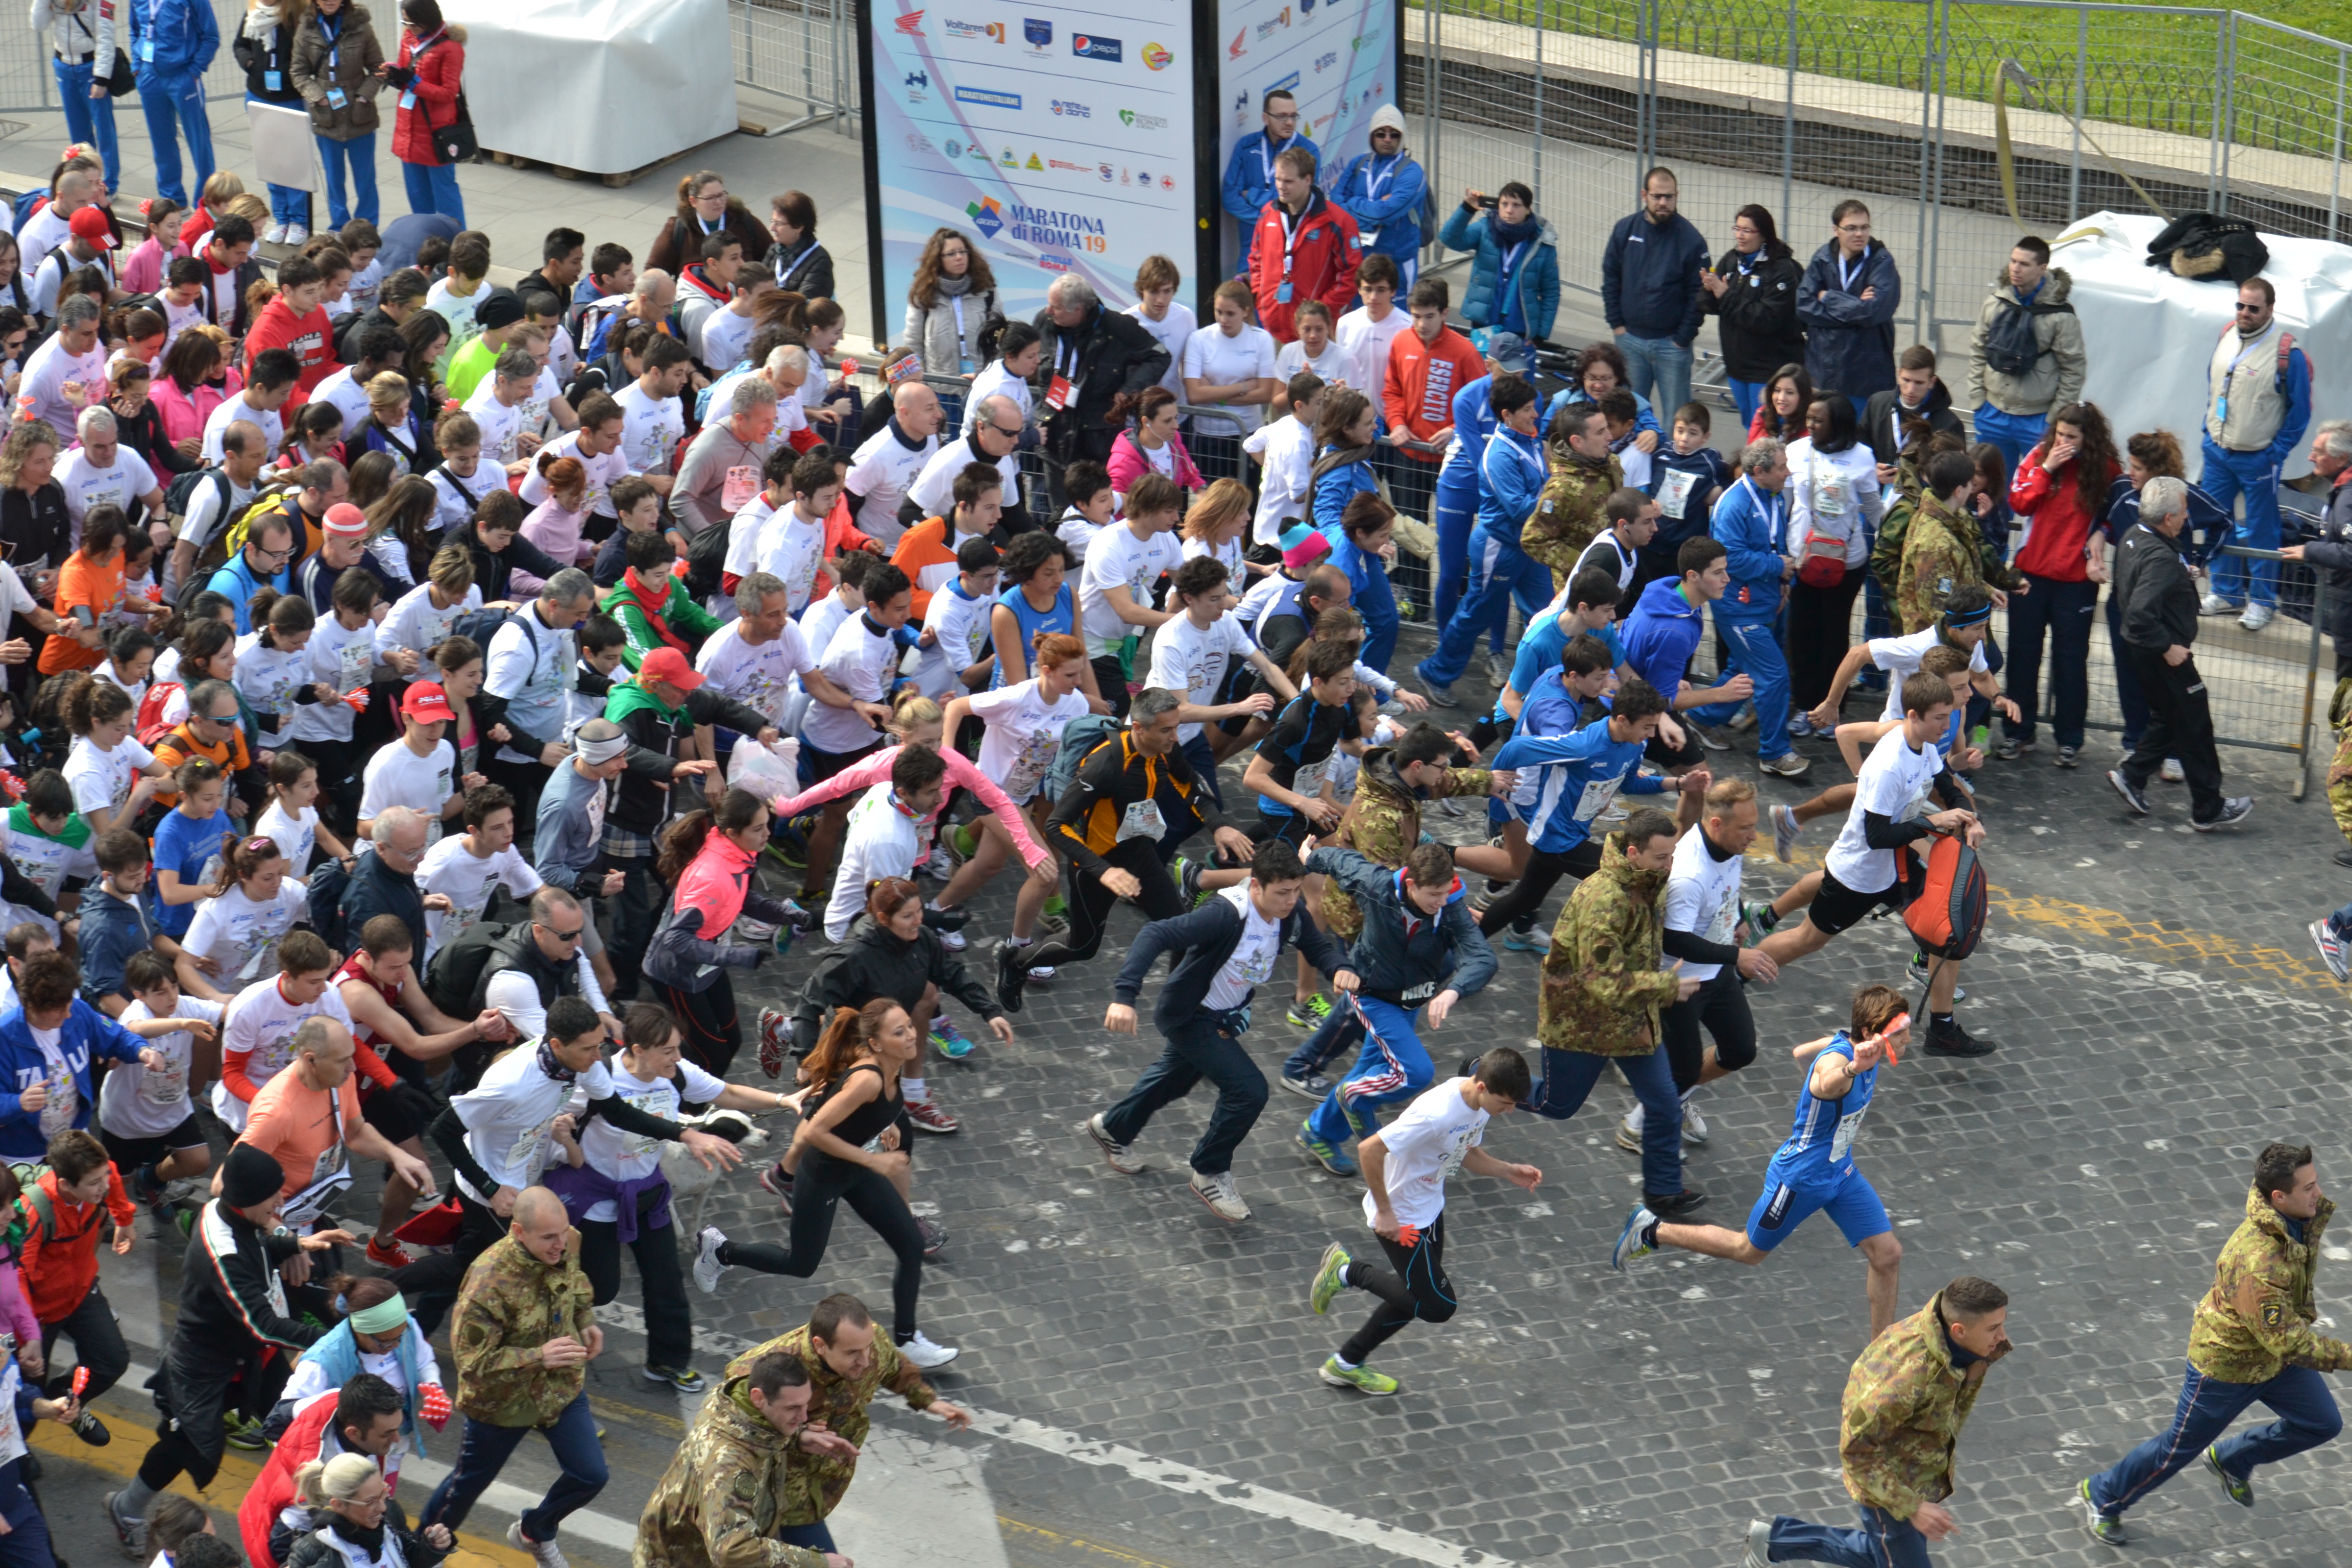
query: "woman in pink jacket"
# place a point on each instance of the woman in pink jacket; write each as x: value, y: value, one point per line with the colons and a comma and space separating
x: 191, y: 386
x: 554, y: 524
x: 1150, y: 443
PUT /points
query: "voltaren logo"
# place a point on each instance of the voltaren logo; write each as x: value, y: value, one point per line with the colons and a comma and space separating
x: 911, y: 25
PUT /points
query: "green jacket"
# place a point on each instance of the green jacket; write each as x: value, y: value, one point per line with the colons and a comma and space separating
x: 1905, y: 1405
x: 730, y: 1485
x: 686, y: 619
x: 2257, y: 1318
x: 510, y: 1306
x: 840, y: 1402
x: 1601, y: 984
x: 1567, y: 516
x: 1384, y: 824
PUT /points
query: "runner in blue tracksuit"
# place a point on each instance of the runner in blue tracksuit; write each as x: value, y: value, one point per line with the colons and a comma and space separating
x: 1511, y: 475
x: 172, y: 44
x: 1455, y: 509
x: 1562, y: 698
x: 1751, y: 523
x: 2257, y: 405
x: 1813, y: 1173
x: 1419, y: 949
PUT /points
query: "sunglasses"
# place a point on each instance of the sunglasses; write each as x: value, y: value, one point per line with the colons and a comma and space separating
x: 2246, y: 309
x: 574, y: 934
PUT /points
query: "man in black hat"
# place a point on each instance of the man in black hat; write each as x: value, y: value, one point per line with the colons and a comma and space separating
x: 498, y: 314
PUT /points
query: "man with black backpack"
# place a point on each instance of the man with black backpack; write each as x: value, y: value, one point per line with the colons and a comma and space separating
x: 2026, y: 356
x: 530, y: 653
x: 203, y: 501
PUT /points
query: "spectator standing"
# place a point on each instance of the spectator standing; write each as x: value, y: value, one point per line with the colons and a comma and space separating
x: 335, y: 61
x: 2159, y: 627
x: 952, y: 297
x: 172, y: 43
x: 2331, y: 547
x: 265, y: 47
x: 1366, y: 331
x: 1425, y: 368
x: 1752, y: 292
x: 2061, y: 485
x: 2258, y: 392
x: 1834, y: 515
x: 1919, y: 394
x: 84, y: 36
x: 1306, y: 248
x: 799, y: 262
x: 431, y: 65
x: 1249, y: 174
x: 704, y: 208
x: 1091, y: 355
x: 1383, y: 190
x: 1161, y: 313
x: 1515, y: 274
x: 1847, y: 304
x: 1229, y: 365
x: 2026, y: 356
x: 2147, y: 455
x: 1650, y: 291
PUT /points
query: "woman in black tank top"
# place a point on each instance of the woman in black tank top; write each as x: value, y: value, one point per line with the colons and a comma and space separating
x: 855, y: 1102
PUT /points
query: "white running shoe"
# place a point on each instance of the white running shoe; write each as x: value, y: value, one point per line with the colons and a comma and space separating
x: 273, y: 234
x: 954, y: 940
x: 707, y: 1267
x: 1694, y: 1124
x: 1628, y: 1130
x: 296, y: 234
x: 546, y: 1553
x: 1785, y: 829
x: 2170, y: 772
x: 2257, y: 616
x: 1220, y: 1194
x: 923, y: 1354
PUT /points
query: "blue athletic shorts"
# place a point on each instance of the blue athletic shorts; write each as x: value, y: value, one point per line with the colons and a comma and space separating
x: 1851, y: 1205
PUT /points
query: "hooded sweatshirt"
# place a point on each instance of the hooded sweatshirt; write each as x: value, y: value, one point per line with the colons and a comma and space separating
x: 1660, y: 635
x: 1602, y: 986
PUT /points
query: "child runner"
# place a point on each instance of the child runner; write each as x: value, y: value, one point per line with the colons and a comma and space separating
x: 292, y: 817
x: 466, y: 866
x: 238, y: 929
x: 145, y: 1116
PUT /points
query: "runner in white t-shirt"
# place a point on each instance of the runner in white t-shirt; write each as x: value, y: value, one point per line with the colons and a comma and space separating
x: 107, y: 768
x: 258, y: 1029
x: 1193, y: 654
x: 238, y: 930
x: 464, y: 868
x: 1115, y: 584
x: 145, y: 1116
x: 1406, y: 1166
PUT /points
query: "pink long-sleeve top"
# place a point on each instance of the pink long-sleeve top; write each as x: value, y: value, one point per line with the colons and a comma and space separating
x: 557, y: 531
x: 16, y: 1311
x: 875, y: 769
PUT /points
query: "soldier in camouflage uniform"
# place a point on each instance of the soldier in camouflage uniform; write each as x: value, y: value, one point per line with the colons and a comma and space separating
x: 1603, y: 987
x: 2251, y: 1341
x: 1944, y: 548
x: 847, y: 1364
x: 523, y: 1333
x: 1384, y: 824
x: 1569, y: 515
x: 1907, y: 1397
x: 746, y: 1470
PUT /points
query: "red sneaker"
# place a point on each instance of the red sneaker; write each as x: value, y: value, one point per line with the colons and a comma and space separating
x: 929, y: 1118
x: 392, y: 1256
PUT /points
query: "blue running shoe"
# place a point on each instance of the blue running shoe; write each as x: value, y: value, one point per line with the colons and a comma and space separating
x: 1335, y: 1161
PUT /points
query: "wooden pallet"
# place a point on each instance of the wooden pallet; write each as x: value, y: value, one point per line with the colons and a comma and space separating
x: 615, y: 181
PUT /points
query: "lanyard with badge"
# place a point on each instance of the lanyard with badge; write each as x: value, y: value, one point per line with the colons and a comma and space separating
x: 1294, y: 230
x: 408, y: 94
x: 1266, y: 153
x: 964, y: 342
x: 1846, y: 278
x: 333, y: 29
x: 2221, y: 404
x: 1373, y: 185
x: 147, y: 42
x: 1063, y: 390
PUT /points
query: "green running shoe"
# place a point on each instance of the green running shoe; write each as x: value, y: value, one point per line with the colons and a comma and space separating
x: 1330, y: 1278
x: 2241, y: 1492
x: 2107, y: 1527
x: 1309, y: 1014
x: 1362, y: 1379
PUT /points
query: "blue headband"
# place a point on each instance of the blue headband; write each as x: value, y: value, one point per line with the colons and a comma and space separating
x: 1956, y: 619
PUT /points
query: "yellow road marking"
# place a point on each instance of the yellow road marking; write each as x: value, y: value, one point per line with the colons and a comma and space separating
x: 1015, y: 1527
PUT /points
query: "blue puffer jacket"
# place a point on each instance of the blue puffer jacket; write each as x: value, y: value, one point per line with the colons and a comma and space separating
x: 1391, y: 964
x: 1850, y: 340
x: 1539, y: 274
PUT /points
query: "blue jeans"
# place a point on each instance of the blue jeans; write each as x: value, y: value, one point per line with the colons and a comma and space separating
x: 484, y: 1452
x: 1499, y: 572
x: 433, y: 188
x: 1455, y: 514
x: 1205, y: 1046
x: 815, y: 1537
x: 1882, y: 1541
x: 2255, y: 476
x: 1393, y: 1068
x: 2298, y: 1396
x: 89, y: 120
x: 173, y: 102
x: 2014, y: 434
x: 1747, y: 396
x: 2064, y: 610
x: 359, y: 153
x: 1568, y: 1078
x: 1756, y: 653
x: 1660, y: 370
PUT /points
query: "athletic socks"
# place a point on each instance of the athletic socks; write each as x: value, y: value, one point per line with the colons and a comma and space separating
x: 1650, y: 1234
x: 913, y: 1091
x: 130, y: 1502
x: 1935, y: 1021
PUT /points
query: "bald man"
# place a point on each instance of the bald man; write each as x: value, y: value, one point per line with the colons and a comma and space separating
x: 888, y: 464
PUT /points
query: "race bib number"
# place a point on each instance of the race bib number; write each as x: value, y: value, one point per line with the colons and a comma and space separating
x: 328, y: 1164
x: 1674, y: 490
x: 164, y: 1085
x: 1309, y: 778
x: 528, y: 1153
x: 741, y: 484
x: 1596, y: 798
x: 1831, y: 495
x: 58, y: 1115
x: 1142, y: 821
x: 353, y: 662
x: 1849, y: 1126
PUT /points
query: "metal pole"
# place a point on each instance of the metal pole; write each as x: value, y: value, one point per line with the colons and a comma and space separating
x: 2310, y: 682
x: 2081, y: 66
x: 1432, y: 78
x: 2213, y: 134
x: 1789, y: 131
x: 2335, y: 152
x: 1537, y: 180
x: 2230, y: 113
x: 1928, y: 290
x: 1923, y: 260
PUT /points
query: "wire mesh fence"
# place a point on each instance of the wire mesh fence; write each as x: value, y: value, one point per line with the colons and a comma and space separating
x: 802, y: 51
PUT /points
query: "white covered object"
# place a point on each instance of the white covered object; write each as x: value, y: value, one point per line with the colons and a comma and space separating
x: 602, y: 85
x: 2150, y: 335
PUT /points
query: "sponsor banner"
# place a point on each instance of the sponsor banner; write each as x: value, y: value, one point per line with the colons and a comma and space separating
x: 1337, y: 57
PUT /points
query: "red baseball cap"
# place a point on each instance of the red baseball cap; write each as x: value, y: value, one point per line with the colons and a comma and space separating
x: 88, y: 226
x: 427, y: 703
x: 346, y: 520
x: 668, y: 666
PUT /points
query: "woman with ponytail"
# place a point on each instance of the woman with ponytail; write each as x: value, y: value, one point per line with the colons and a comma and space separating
x: 851, y: 1146
x: 1149, y: 442
x: 708, y: 860
x: 112, y: 775
x: 346, y: 1496
x: 1023, y: 734
x: 234, y: 938
x: 555, y: 525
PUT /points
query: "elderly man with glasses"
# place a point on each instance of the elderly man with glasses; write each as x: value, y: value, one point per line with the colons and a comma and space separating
x: 995, y: 438
x: 384, y: 881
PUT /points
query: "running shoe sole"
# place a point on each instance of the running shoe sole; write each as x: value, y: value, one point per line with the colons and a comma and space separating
x: 1629, y: 1245
x: 2331, y: 952
x: 1785, y: 829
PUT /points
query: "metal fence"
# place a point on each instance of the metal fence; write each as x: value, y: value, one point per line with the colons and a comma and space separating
x: 803, y: 51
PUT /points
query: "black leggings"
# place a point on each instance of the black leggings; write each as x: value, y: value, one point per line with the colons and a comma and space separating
x: 1525, y: 901
x: 710, y: 1031
x: 670, y: 1324
x: 821, y: 1183
x: 1419, y: 1288
x: 1090, y: 901
x: 1721, y: 1004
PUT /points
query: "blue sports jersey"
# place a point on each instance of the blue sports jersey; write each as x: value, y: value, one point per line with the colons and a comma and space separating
x: 1538, y: 653
x: 1820, y: 1150
x: 1061, y: 618
x: 1574, y: 775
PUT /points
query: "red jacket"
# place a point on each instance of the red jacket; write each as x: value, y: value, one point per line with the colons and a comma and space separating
x: 435, y: 91
x: 1417, y: 392
x: 310, y: 338
x: 273, y: 1489
x: 2062, y: 525
x: 1323, y: 262
x: 59, y: 1267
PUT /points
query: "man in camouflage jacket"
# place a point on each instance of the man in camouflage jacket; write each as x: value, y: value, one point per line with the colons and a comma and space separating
x: 1569, y: 515
x: 523, y: 1333
x: 1907, y: 1397
x: 1944, y: 548
x: 744, y: 1475
x: 1603, y: 987
x: 2251, y: 1341
x: 848, y: 1363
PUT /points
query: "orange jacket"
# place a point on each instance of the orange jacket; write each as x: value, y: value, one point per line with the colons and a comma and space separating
x: 925, y: 557
x: 1417, y: 391
x: 59, y: 1267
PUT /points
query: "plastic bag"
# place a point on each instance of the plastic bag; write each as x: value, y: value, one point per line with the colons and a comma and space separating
x: 768, y: 772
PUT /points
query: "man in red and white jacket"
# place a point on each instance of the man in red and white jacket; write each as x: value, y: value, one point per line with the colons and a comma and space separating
x: 362, y: 1417
x: 297, y: 321
x: 1305, y: 248
x: 1426, y: 367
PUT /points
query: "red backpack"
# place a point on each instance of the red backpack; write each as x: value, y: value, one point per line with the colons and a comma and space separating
x: 1947, y: 916
x: 151, y: 726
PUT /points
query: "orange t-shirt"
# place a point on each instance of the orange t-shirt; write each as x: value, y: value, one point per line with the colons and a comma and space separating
x: 96, y: 588
x: 295, y: 1125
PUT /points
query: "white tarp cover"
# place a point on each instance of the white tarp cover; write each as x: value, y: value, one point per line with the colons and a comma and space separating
x: 2150, y: 335
x: 602, y: 85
